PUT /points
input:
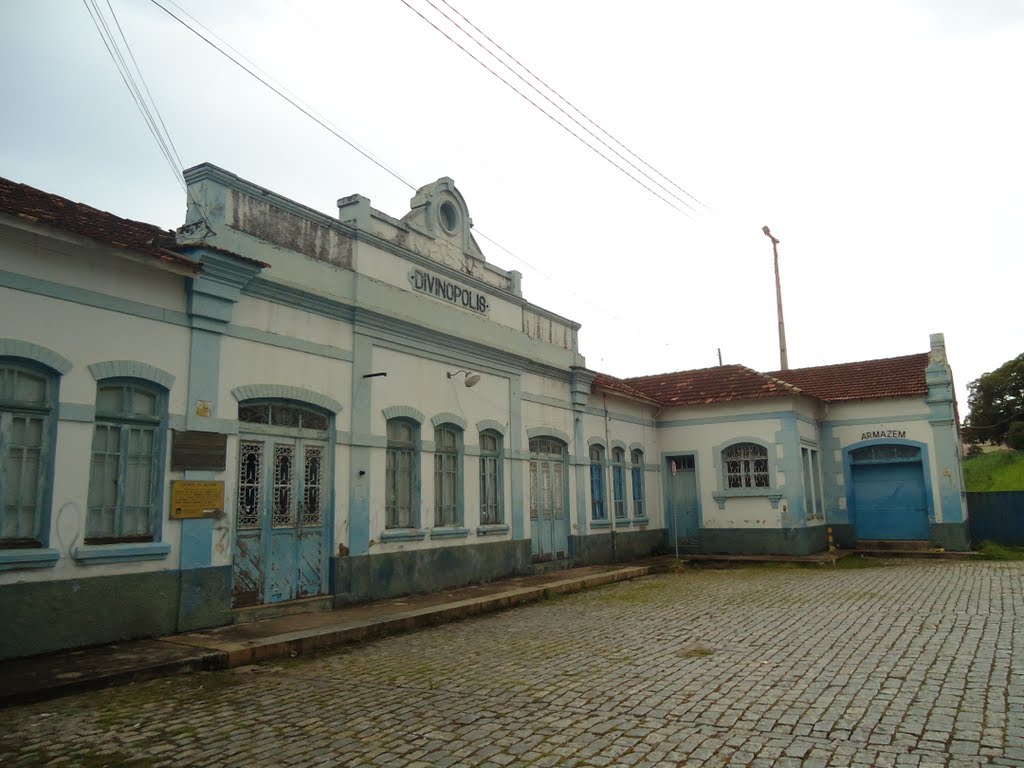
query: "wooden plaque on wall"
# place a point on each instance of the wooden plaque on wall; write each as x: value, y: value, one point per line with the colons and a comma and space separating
x: 199, y: 450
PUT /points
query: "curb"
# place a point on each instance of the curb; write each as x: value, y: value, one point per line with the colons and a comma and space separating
x: 304, y: 642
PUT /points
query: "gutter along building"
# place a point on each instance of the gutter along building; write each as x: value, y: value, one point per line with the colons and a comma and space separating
x: 293, y: 406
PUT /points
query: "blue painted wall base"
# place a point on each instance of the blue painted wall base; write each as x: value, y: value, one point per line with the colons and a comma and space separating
x: 41, y: 617
x: 598, y: 548
x: 955, y: 537
x: 359, y: 578
x: 763, y: 541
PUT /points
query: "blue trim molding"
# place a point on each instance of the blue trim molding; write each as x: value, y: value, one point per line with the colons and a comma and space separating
x: 285, y: 392
x: 120, y: 553
x: 131, y: 369
x: 16, y: 559
x: 557, y: 434
x: 449, y: 418
x: 490, y: 425
x: 403, y: 412
x: 402, y: 534
x: 36, y: 353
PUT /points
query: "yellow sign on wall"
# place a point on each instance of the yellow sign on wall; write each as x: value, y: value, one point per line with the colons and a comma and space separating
x: 191, y: 499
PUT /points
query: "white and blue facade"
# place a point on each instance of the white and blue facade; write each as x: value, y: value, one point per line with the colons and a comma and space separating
x: 393, y: 416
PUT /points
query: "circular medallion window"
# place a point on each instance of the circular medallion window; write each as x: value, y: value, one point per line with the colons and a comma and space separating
x: 449, y: 217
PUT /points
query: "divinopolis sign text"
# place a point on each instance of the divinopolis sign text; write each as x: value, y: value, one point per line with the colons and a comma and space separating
x: 449, y: 291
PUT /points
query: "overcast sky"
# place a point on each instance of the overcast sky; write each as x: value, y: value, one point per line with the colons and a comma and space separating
x: 880, y: 141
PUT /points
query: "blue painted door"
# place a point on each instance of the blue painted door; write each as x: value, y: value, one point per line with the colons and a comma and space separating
x: 549, y: 524
x: 889, y: 501
x: 683, y: 502
x: 280, y: 537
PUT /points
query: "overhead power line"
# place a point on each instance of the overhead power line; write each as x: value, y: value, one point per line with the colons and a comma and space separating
x: 547, y: 114
x: 561, y: 109
x: 281, y: 92
x: 132, y: 77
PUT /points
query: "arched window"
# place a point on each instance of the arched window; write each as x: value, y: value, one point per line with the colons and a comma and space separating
x: 598, y: 510
x: 491, y: 492
x: 27, y: 398
x: 401, y: 494
x: 447, y: 475
x: 637, y: 457
x: 745, y: 466
x: 619, y: 483
x: 126, y: 474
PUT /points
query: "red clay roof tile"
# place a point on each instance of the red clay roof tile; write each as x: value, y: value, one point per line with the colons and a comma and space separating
x: 35, y: 205
x: 613, y: 384
x: 887, y: 377
x: 710, y: 385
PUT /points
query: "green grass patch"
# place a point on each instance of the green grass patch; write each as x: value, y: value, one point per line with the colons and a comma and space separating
x: 989, y: 550
x: 995, y: 471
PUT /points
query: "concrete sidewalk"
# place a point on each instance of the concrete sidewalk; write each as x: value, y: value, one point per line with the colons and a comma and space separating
x: 39, y: 678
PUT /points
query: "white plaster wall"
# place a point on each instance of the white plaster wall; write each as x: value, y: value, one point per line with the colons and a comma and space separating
x: 67, y: 520
x: 879, y: 415
x: 739, y: 512
x: 247, y: 362
x: 394, y: 270
x: 545, y: 386
x: 292, y: 323
x: 421, y: 382
x: 80, y: 263
x: 86, y: 335
x: 628, y: 432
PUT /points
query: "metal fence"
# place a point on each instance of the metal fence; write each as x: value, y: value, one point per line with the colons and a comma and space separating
x: 997, y: 516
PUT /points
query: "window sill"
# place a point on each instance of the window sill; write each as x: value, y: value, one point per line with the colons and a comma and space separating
x: 449, y: 532
x: 771, y: 494
x: 641, y: 521
x: 96, y: 554
x: 600, y: 523
x: 35, y: 557
x: 403, y: 534
x: 494, y: 529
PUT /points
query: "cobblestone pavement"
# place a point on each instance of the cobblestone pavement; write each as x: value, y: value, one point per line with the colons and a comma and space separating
x: 912, y: 664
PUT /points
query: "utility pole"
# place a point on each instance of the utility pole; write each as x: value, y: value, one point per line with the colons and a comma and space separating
x: 783, y: 357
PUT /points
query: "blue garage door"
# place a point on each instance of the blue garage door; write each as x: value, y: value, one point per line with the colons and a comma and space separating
x: 889, y: 500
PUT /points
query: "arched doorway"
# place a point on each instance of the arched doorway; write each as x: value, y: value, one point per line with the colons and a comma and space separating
x: 889, y: 497
x: 284, y: 486
x: 549, y: 529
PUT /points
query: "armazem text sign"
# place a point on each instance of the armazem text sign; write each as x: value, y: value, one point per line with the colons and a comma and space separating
x: 882, y: 434
x: 449, y: 291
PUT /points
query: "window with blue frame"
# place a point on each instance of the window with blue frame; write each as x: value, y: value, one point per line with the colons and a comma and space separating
x: 491, y: 492
x: 126, y: 472
x: 746, y: 466
x: 619, y: 483
x: 598, y: 508
x: 27, y: 397
x: 400, y: 498
x: 637, y: 457
x: 447, y: 475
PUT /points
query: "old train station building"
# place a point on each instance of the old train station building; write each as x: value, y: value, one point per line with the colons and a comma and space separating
x: 273, y: 405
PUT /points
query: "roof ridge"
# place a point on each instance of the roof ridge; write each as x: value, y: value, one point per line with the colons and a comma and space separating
x: 776, y: 380
x: 857, y: 362
x: 687, y: 370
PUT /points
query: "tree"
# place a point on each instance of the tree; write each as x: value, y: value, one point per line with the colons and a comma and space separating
x: 996, y: 400
x: 1015, y: 436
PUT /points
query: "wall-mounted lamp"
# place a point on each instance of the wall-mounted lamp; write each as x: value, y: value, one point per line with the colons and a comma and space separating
x: 374, y: 375
x: 471, y: 378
